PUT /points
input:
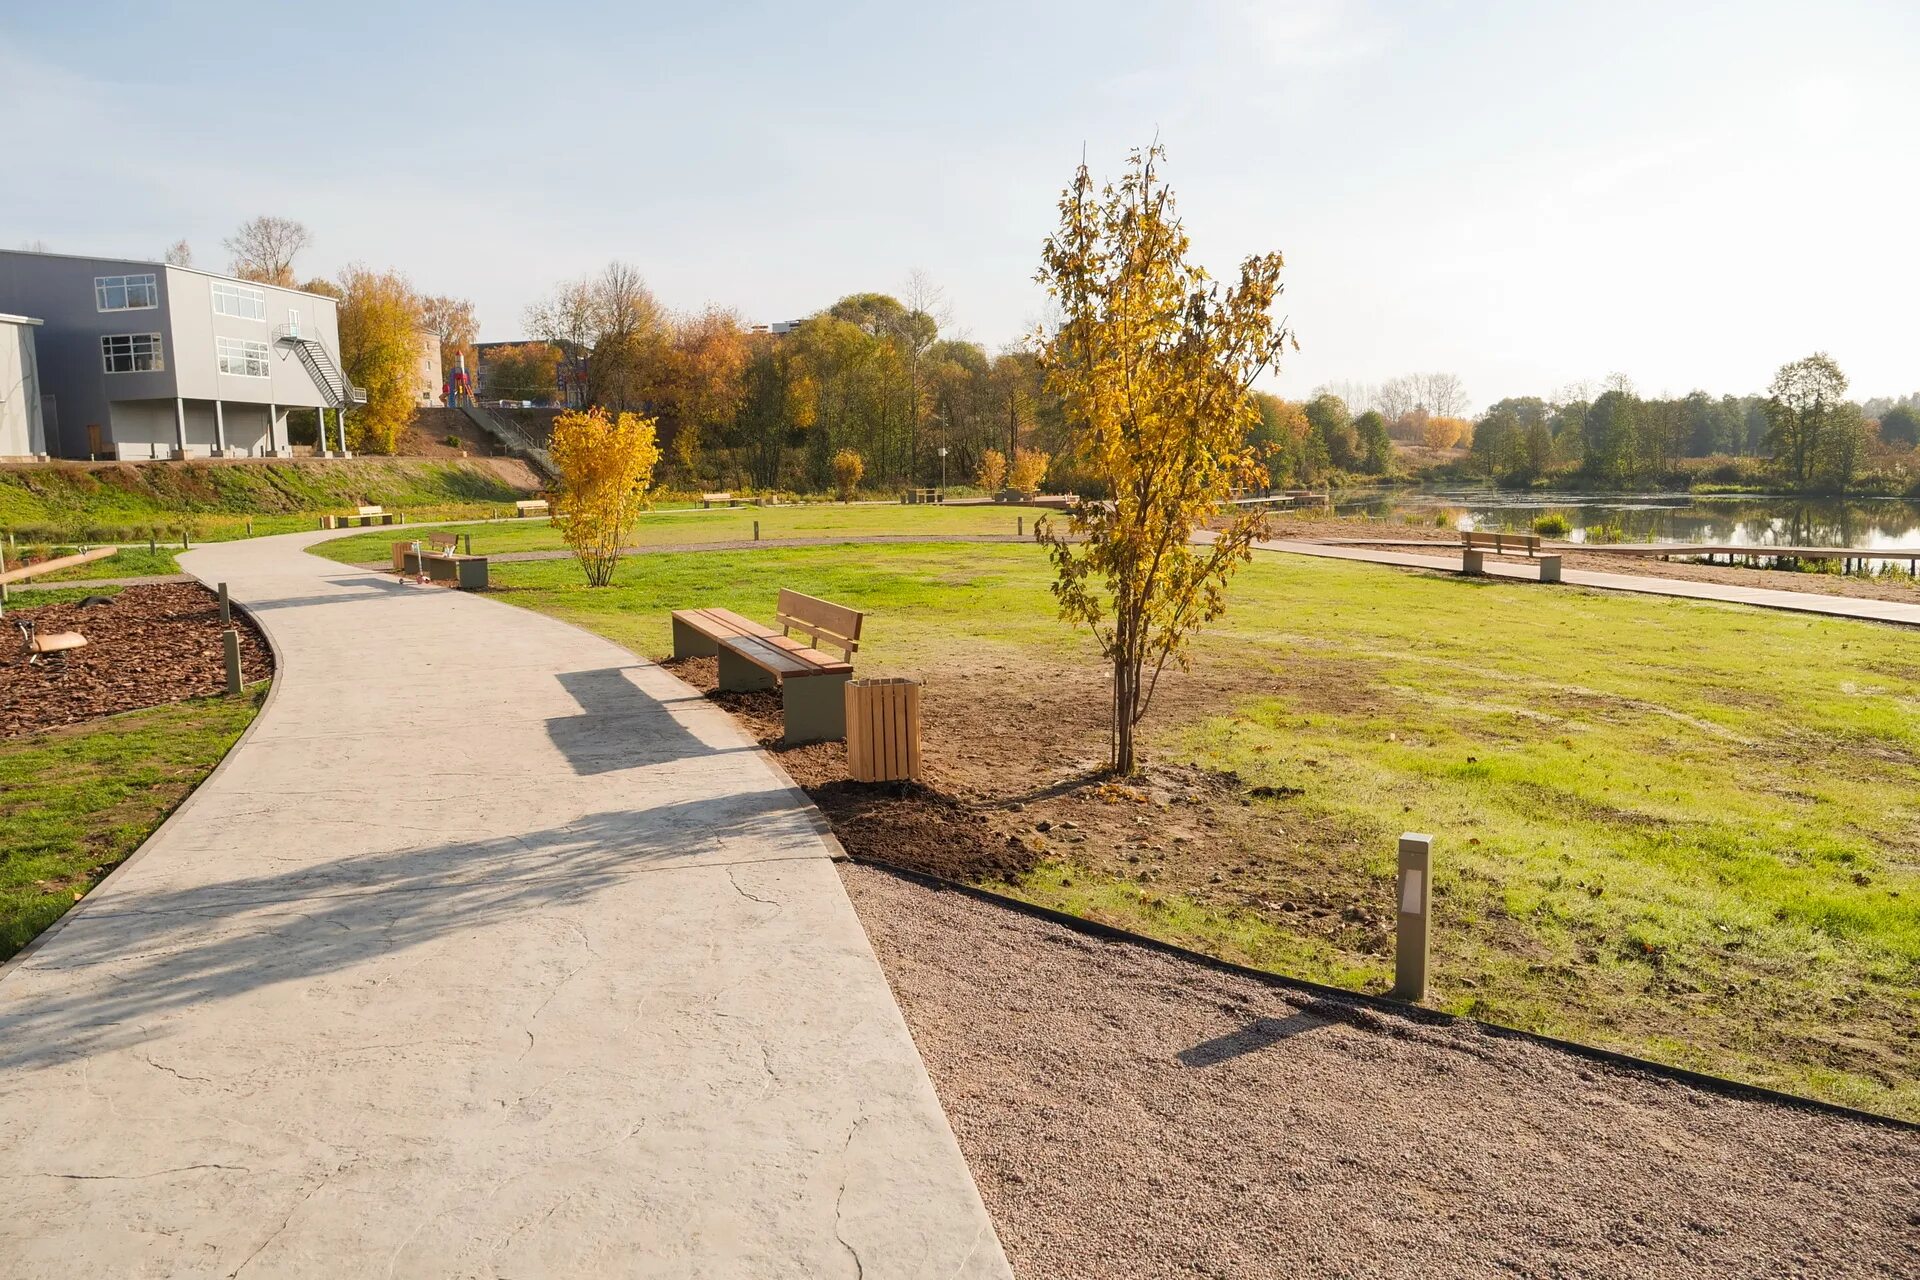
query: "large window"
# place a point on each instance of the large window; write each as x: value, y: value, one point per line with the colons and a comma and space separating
x: 125, y: 293
x: 243, y: 358
x: 239, y: 300
x: 131, y: 353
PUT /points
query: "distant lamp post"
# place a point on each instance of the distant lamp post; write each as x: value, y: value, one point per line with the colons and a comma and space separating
x: 943, y: 466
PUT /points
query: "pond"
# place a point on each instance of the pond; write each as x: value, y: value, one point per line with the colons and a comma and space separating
x: 1742, y: 519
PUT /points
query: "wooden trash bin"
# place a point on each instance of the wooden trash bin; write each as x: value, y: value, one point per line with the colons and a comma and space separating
x: 883, y: 730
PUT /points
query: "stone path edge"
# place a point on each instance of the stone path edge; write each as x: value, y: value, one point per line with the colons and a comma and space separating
x: 192, y: 798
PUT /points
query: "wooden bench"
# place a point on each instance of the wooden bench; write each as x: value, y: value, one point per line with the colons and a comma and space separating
x: 913, y: 497
x: 55, y: 646
x: 532, y: 507
x: 360, y: 517
x: 1475, y: 546
x: 751, y: 656
x: 724, y: 499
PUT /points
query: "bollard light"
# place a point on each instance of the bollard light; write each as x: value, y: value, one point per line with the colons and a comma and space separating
x: 1416, y: 899
x: 226, y: 607
x: 231, y: 640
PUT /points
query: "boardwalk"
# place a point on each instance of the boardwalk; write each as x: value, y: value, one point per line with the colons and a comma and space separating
x: 1889, y: 611
x: 490, y: 951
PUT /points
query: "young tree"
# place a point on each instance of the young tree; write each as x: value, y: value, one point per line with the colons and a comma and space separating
x: 264, y: 248
x: 993, y: 470
x: 1027, y: 470
x: 606, y: 469
x: 379, y: 349
x: 1376, y: 445
x: 1801, y: 405
x: 848, y: 467
x: 709, y: 361
x: 1154, y: 365
x: 179, y: 254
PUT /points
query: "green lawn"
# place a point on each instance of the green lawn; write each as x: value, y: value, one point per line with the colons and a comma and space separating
x: 75, y: 802
x: 127, y: 562
x: 722, y: 524
x: 1682, y: 830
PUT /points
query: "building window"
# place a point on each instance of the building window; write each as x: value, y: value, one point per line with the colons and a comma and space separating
x: 244, y: 359
x: 239, y: 300
x: 125, y: 293
x: 131, y: 353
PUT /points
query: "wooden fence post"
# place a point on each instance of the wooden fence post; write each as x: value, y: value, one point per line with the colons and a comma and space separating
x: 231, y: 639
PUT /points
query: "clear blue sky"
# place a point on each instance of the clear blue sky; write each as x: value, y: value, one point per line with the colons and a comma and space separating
x: 1525, y: 193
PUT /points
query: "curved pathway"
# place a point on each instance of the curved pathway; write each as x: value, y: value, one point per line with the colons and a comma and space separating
x: 490, y: 950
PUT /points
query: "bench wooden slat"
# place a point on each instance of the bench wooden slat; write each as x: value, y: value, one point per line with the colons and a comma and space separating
x: 718, y: 624
x: 788, y: 663
x: 821, y: 619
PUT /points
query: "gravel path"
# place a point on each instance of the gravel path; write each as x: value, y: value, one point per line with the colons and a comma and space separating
x: 1129, y: 1114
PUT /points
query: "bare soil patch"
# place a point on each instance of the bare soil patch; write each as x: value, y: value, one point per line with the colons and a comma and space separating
x: 1825, y: 584
x: 147, y: 645
x: 1128, y: 1113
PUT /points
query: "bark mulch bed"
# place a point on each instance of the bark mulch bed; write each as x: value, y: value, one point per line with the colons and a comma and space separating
x: 1129, y: 1113
x: 146, y: 646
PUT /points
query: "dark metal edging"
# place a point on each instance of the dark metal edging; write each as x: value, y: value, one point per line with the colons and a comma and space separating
x: 1411, y: 1012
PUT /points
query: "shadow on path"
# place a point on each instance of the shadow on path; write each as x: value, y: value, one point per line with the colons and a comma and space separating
x: 177, y: 949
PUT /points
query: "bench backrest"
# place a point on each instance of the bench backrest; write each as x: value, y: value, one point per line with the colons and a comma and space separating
x: 444, y: 541
x: 531, y: 502
x: 1501, y: 541
x: 369, y: 511
x: 822, y: 620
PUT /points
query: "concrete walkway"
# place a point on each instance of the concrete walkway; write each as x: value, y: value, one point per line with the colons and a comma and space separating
x: 1856, y: 607
x: 491, y: 951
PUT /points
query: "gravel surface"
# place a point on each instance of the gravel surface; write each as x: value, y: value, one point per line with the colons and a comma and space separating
x: 1127, y: 1113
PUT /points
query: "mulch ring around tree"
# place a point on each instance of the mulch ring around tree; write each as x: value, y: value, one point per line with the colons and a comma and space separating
x: 145, y: 646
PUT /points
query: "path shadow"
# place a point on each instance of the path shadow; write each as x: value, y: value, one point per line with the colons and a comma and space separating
x: 169, y: 951
x: 387, y: 587
x: 622, y: 726
x: 1261, y: 1033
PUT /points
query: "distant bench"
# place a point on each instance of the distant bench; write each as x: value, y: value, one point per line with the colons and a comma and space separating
x: 532, y: 507
x: 1475, y: 546
x: 751, y: 656
x: 361, y: 516
x: 722, y: 499
x: 442, y: 562
x: 913, y: 497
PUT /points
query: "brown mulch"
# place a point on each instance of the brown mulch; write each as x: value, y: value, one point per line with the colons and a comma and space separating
x: 1129, y: 1113
x: 145, y: 646
x: 1824, y: 584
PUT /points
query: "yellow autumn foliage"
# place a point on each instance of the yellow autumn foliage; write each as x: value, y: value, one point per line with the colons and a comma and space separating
x: 606, y: 470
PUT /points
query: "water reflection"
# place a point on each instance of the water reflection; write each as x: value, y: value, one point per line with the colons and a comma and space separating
x: 1743, y: 520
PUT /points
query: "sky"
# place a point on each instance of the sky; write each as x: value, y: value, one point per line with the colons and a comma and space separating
x: 1531, y: 195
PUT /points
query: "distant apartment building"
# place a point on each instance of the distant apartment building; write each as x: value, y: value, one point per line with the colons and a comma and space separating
x: 22, y: 423
x: 777, y: 327
x: 426, y: 371
x: 146, y: 360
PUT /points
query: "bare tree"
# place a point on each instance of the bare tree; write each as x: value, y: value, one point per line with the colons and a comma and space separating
x: 452, y: 321
x: 179, y: 254
x: 264, y: 248
x: 1396, y: 398
x: 1443, y: 394
x: 614, y: 332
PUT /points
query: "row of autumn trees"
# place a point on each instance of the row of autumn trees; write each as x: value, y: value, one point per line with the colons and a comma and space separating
x: 1811, y: 435
x: 870, y: 376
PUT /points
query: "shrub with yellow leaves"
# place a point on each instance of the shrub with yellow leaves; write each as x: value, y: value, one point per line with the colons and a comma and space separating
x: 606, y: 470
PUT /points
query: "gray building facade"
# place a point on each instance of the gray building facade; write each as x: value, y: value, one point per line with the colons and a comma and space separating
x: 144, y: 360
x: 22, y: 425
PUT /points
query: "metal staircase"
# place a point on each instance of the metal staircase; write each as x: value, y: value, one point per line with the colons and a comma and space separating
x: 511, y: 438
x: 326, y: 375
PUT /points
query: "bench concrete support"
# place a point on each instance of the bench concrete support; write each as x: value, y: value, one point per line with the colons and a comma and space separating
x: 691, y: 642
x: 815, y: 707
x: 1549, y: 568
x: 737, y: 675
x: 1473, y: 562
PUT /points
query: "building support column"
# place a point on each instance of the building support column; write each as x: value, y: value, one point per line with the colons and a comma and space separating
x: 273, y: 431
x: 320, y: 423
x: 340, y: 426
x: 219, y: 429
x: 179, y: 427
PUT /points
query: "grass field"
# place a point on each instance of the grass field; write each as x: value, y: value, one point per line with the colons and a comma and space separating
x: 1681, y: 830
x: 75, y: 802
x: 722, y: 524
